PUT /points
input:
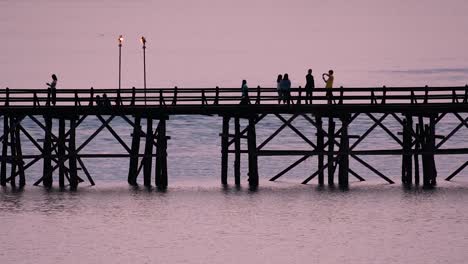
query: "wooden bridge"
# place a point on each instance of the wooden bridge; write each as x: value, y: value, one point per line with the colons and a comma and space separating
x: 418, y: 111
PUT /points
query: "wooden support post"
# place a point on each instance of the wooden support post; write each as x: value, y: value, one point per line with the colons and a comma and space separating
x: 47, y: 152
x: 13, y: 161
x: 161, y: 157
x: 426, y: 157
x: 148, y: 158
x: 61, y: 152
x: 331, y: 145
x: 321, y: 148
x: 224, y: 150
x: 237, y: 146
x: 252, y: 149
x: 4, y: 150
x: 135, y: 150
x: 343, y: 177
x: 407, y: 168
x: 432, y: 149
x: 72, y: 155
x: 417, y: 147
x: 19, y: 154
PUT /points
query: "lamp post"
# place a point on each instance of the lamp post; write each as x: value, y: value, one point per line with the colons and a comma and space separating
x: 143, y: 41
x: 120, y: 39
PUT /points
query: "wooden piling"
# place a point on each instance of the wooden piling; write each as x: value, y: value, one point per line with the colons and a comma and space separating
x: 320, y: 148
x: 47, y: 149
x: 331, y: 146
x: 343, y: 177
x: 19, y: 155
x: 237, y: 146
x: 432, y: 149
x: 252, y: 150
x: 61, y: 152
x: 407, y: 168
x: 3, y: 169
x: 161, y: 156
x: 224, y: 150
x: 148, y: 158
x: 417, y: 147
x: 72, y: 155
x: 13, y: 161
x: 135, y: 150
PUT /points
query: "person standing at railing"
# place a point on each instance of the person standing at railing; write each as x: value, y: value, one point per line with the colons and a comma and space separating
x: 53, y: 90
x: 309, y: 87
x: 285, y: 87
x: 329, y: 84
x: 245, y: 93
x: 278, y: 88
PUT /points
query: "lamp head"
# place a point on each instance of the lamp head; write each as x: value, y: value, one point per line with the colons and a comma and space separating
x: 120, y: 39
x: 143, y: 41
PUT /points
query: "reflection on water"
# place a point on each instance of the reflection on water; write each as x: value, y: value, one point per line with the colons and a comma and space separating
x: 278, y: 223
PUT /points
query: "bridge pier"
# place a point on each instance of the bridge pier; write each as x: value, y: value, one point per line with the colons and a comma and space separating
x: 224, y: 150
x: 320, y: 148
x: 3, y: 169
x: 61, y: 152
x: 237, y: 150
x: 407, y: 168
x: 134, y: 152
x: 252, y: 150
x: 72, y: 156
x: 331, y: 146
x: 148, y: 156
x: 161, y: 155
x: 343, y: 177
x: 47, y: 179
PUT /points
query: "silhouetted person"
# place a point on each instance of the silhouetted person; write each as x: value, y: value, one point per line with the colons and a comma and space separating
x: 105, y: 101
x: 245, y: 93
x: 98, y: 100
x: 278, y: 88
x: 329, y: 84
x: 285, y: 87
x: 309, y: 87
x: 53, y: 89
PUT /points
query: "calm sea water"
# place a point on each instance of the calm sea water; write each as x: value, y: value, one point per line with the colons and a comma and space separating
x: 198, y: 221
x: 216, y: 42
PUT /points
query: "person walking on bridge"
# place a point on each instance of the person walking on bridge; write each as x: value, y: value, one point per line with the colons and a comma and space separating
x: 285, y: 87
x: 309, y: 87
x: 278, y: 88
x: 245, y: 93
x: 329, y: 84
x: 52, y: 89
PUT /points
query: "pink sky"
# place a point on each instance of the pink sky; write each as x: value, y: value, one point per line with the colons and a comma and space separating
x: 219, y: 42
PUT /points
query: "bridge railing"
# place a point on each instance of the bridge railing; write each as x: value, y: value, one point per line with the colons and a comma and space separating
x: 229, y: 96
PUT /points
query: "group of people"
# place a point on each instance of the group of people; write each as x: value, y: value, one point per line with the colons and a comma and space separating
x: 283, y: 85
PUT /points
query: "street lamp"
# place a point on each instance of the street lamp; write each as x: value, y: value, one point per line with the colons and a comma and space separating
x: 120, y: 39
x: 143, y: 41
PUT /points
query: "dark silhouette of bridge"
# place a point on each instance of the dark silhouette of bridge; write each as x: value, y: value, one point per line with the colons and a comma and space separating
x: 419, y: 110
